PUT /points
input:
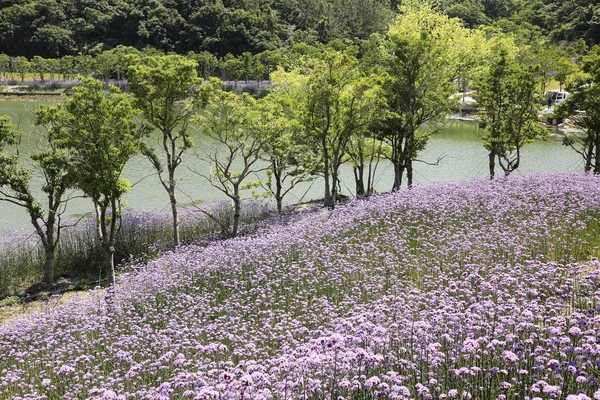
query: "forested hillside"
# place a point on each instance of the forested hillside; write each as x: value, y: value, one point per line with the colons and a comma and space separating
x: 54, y: 28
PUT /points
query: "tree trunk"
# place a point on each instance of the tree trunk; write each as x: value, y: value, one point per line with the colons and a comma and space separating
x: 597, y: 155
x: 49, y: 245
x: 173, y: 199
x: 109, y: 261
x: 49, y: 264
x: 359, y: 180
x: 175, y: 213
x: 334, y: 188
x: 398, y: 173
x: 398, y: 162
x: 370, y: 189
x: 359, y: 171
x: 492, y: 164
x: 278, y: 190
x: 236, y: 211
x: 410, y: 143
x: 589, y: 154
x: 327, y: 196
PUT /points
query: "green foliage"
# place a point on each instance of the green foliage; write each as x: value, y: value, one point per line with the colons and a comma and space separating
x: 582, y: 108
x: 9, y: 136
x: 509, y: 95
x: 14, y: 179
x: 423, y: 53
x: 232, y: 146
x: 161, y: 86
x: 470, y: 12
x: 21, y: 66
x: 4, y: 65
x: 333, y: 101
x: 14, y: 188
x: 9, y: 301
x: 157, y: 84
x: 96, y: 126
x: 565, y: 70
x: 40, y: 66
x: 207, y: 63
x: 51, y: 28
x: 281, y: 135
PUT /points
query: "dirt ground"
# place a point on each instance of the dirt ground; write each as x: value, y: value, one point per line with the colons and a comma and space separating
x: 41, y: 298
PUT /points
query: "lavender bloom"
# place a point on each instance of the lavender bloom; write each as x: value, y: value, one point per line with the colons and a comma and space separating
x: 456, y: 290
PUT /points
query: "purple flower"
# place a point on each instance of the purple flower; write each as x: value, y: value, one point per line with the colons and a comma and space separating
x: 509, y: 356
x: 372, y: 381
x: 65, y: 369
x: 575, y: 331
x: 470, y: 346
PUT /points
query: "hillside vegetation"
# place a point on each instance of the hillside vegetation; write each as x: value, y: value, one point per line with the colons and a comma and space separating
x: 464, y: 290
x: 53, y: 28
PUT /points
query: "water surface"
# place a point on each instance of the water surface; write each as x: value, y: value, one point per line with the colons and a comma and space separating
x: 457, y: 153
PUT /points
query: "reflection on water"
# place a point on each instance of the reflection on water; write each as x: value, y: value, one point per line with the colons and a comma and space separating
x: 456, y: 153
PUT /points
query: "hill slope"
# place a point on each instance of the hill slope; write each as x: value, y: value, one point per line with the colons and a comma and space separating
x: 55, y: 28
x: 455, y: 289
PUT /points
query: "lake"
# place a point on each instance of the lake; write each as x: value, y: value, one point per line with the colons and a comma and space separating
x: 459, y: 148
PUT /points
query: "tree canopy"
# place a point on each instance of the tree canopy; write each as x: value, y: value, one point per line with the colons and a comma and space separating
x: 96, y: 126
x: 509, y: 94
x: 583, y: 109
x: 423, y: 53
x: 53, y: 28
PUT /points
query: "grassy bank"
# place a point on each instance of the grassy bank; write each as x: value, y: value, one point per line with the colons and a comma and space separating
x: 142, y: 236
x: 469, y: 290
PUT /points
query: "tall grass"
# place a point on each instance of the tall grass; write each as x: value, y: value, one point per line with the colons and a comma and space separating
x: 141, y: 237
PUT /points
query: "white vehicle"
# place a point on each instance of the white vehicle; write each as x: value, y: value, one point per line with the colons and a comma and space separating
x: 555, y: 97
x: 560, y: 97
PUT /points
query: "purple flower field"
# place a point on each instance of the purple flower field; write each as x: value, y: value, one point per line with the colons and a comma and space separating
x: 468, y: 290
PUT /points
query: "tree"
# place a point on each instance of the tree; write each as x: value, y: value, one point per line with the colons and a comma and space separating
x: 207, y: 63
x: 232, y: 147
x: 364, y: 152
x: 423, y: 53
x: 84, y: 65
x: 247, y: 66
x: 52, y: 65
x: 104, y: 66
x: 335, y: 101
x: 66, y: 66
x: 358, y: 19
x: 270, y: 60
x: 4, y: 65
x: 161, y: 85
x: 565, y: 69
x: 471, y: 12
x: 546, y: 55
x: 14, y: 188
x: 39, y: 66
x: 508, y: 93
x: 280, y: 133
x: 231, y: 68
x: 97, y: 128
x: 582, y: 107
x: 470, y: 58
x: 21, y: 66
